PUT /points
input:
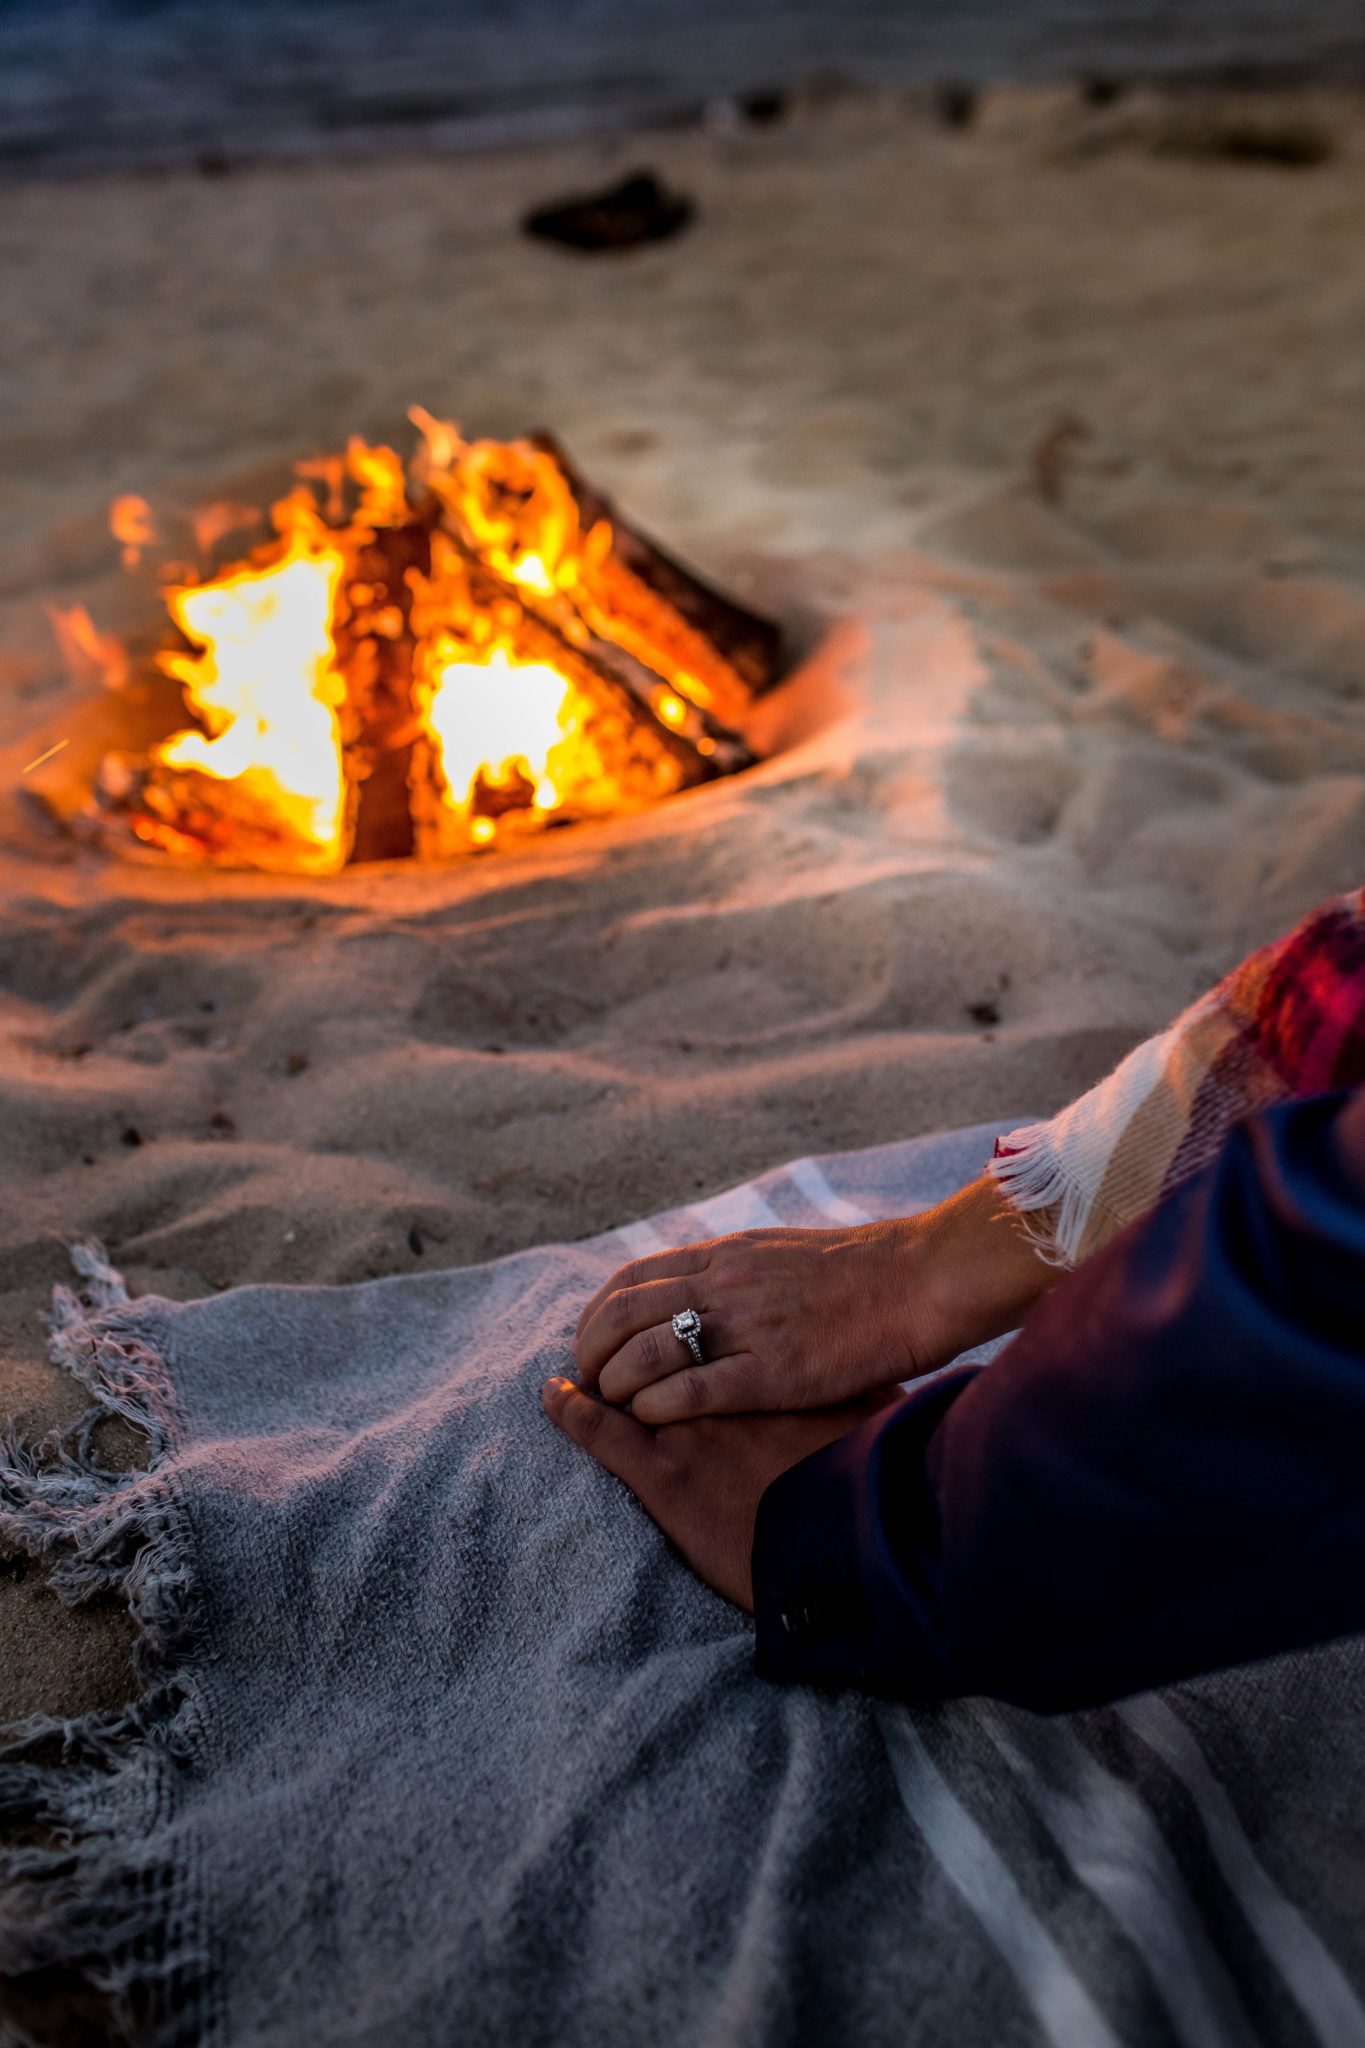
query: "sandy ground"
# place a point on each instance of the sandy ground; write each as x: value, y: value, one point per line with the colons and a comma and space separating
x: 1044, y: 767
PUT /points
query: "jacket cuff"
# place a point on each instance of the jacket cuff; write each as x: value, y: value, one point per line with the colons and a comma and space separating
x: 846, y: 1557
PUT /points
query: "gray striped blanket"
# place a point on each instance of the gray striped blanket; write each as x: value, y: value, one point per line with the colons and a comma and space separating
x: 441, y: 1744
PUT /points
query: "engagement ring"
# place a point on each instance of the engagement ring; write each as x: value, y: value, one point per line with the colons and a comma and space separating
x: 687, y: 1329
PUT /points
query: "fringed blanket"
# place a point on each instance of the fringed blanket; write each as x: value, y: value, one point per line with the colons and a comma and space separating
x: 1289, y: 1022
x: 440, y: 1744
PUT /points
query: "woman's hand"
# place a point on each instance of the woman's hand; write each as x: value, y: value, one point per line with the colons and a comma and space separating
x: 809, y: 1318
x: 701, y: 1481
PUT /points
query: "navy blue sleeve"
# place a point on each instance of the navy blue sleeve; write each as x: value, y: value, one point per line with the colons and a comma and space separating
x: 1162, y: 1475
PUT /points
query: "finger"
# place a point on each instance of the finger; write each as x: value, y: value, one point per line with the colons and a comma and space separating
x: 648, y: 1356
x: 614, y: 1438
x: 624, y: 1314
x: 738, y: 1385
x: 677, y: 1264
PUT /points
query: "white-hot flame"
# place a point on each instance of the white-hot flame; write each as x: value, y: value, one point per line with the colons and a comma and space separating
x: 265, y: 684
x: 505, y: 720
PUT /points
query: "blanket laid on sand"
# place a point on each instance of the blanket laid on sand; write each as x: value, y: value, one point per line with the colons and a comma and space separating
x: 441, y: 1744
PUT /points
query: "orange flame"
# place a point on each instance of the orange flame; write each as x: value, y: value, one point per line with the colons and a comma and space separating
x: 444, y: 615
x: 210, y: 523
x: 130, y: 521
x: 517, y: 509
x: 91, y: 656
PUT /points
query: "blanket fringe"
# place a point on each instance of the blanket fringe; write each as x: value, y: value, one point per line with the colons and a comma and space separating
x: 92, y: 1908
x: 1052, y: 1209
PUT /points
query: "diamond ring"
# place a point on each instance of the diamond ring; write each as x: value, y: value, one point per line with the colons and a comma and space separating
x: 687, y: 1329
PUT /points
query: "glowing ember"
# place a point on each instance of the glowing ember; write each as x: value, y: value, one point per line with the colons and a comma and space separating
x: 424, y: 659
x: 130, y: 521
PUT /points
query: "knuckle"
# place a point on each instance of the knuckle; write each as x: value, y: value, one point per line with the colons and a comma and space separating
x: 739, y: 1257
x: 649, y: 1351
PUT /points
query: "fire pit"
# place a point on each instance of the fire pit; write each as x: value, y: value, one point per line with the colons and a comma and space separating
x: 423, y: 659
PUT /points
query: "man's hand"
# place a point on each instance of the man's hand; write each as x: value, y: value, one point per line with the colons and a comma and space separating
x: 701, y: 1481
x: 809, y: 1318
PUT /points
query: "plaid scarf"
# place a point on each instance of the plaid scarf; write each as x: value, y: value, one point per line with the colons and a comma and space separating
x: 1289, y: 1022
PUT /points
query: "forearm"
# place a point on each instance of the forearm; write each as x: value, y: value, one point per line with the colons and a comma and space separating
x: 1160, y: 1476
x: 983, y: 1271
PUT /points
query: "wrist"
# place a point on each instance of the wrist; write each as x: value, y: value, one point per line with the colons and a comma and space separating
x: 980, y: 1274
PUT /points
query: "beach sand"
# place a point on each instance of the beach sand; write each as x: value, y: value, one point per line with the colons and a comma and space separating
x: 1045, y: 442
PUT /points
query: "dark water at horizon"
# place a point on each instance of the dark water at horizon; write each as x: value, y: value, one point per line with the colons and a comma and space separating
x: 89, y: 83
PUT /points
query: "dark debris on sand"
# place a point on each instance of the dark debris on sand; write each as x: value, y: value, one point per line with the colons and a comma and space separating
x: 640, y: 209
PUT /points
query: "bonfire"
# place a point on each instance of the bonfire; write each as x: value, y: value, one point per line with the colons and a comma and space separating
x: 425, y: 659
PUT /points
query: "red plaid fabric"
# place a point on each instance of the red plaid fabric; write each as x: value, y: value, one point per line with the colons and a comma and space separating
x: 1288, y: 1022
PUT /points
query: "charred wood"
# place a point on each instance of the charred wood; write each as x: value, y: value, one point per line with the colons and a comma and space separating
x: 374, y: 653
x: 676, y: 619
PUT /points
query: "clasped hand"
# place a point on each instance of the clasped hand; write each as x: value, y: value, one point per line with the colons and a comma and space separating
x: 806, y: 1333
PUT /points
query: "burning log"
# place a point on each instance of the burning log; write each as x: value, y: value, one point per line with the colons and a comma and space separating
x: 622, y: 715
x: 556, y: 632
x: 374, y: 653
x: 431, y: 658
x: 665, y: 612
